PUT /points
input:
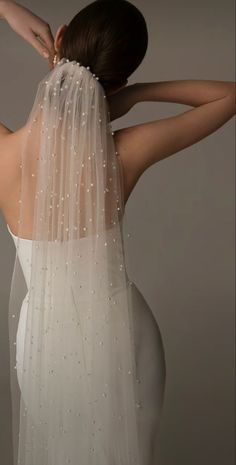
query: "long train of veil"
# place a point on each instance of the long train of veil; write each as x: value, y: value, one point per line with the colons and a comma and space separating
x: 74, y: 385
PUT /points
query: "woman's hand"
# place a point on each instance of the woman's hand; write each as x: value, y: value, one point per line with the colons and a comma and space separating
x: 33, y: 29
x: 122, y: 101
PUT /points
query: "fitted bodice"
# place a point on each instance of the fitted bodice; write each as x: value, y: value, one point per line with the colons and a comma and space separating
x: 24, y: 254
x: 80, y: 261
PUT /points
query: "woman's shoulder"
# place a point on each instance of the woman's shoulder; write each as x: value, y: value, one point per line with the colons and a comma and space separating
x: 4, y: 130
x: 10, y: 142
x: 9, y: 138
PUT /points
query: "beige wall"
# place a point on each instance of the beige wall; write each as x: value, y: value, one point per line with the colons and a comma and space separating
x: 181, y: 217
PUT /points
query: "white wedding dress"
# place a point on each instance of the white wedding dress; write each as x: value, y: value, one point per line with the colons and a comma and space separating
x: 87, y: 358
x: 149, y: 354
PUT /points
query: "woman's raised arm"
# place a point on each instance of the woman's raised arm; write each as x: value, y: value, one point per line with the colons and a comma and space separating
x: 31, y: 28
x: 191, y: 92
x: 147, y: 143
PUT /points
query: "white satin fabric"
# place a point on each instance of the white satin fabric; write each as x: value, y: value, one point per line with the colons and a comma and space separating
x: 149, y: 356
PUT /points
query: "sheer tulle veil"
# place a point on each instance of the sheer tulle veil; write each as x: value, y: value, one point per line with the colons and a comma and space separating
x: 73, y: 385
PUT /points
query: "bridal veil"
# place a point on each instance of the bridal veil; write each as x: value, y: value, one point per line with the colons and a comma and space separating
x: 74, y: 392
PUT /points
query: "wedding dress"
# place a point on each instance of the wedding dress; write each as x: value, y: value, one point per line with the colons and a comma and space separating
x: 87, y: 359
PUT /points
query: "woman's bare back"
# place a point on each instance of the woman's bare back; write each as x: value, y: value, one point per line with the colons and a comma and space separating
x: 138, y: 146
x: 10, y: 177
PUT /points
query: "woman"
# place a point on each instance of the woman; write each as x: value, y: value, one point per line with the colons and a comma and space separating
x: 89, y: 39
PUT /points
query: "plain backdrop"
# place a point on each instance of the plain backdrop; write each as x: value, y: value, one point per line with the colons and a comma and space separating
x: 181, y: 221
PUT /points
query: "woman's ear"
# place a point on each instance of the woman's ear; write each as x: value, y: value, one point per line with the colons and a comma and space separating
x: 58, y: 37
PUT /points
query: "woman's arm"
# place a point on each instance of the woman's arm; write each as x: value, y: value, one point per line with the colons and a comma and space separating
x: 191, y: 92
x: 147, y: 143
x: 31, y: 28
x: 187, y: 92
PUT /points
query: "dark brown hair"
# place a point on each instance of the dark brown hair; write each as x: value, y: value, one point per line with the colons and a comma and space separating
x: 110, y: 36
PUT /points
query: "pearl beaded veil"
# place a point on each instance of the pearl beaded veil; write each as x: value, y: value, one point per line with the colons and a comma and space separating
x: 74, y: 397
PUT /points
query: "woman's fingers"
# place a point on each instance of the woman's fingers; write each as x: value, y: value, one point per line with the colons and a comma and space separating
x: 43, y: 42
x: 37, y: 44
x: 47, y: 38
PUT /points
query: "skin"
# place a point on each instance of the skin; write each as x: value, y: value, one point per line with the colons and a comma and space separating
x: 139, y: 146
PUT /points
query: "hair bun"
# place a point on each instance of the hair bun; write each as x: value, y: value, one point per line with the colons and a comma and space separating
x: 110, y: 36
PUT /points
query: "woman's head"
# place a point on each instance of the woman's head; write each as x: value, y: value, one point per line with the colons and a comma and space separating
x: 110, y: 36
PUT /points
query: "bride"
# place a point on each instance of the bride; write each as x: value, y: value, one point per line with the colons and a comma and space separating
x: 66, y: 338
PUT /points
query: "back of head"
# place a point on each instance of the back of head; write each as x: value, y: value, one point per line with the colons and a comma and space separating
x: 111, y: 37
